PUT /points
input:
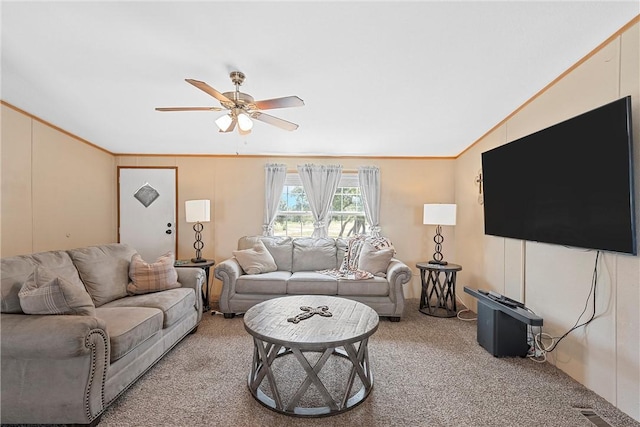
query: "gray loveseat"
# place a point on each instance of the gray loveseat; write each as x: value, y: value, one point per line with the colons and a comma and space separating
x: 67, y: 369
x: 298, y: 265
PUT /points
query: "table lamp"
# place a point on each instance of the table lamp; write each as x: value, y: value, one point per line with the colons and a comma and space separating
x: 439, y: 215
x: 197, y: 211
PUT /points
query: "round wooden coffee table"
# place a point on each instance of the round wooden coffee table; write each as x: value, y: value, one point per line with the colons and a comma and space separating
x: 305, y: 325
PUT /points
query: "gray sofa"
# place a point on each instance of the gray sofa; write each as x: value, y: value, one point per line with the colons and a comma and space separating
x: 298, y: 263
x: 67, y: 369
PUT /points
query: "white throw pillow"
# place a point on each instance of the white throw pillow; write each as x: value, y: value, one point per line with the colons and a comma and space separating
x: 256, y: 260
x: 375, y: 261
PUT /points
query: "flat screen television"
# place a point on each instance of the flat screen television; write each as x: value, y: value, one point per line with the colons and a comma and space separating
x: 569, y: 184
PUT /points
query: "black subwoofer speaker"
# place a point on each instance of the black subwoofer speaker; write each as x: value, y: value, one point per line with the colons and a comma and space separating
x: 500, y: 334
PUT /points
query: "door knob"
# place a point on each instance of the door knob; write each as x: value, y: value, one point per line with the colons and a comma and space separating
x: 168, y: 231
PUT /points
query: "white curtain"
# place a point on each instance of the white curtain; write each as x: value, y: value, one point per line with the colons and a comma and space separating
x: 274, y: 175
x: 369, y: 180
x: 320, y: 183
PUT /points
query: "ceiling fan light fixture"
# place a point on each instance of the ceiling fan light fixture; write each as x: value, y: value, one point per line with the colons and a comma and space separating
x: 243, y: 109
x: 223, y: 122
x: 244, y: 122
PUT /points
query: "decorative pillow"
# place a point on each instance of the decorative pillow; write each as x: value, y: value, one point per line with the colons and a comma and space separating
x: 157, y: 276
x: 375, y: 261
x: 45, y: 293
x: 256, y: 260
x: 280, y: 248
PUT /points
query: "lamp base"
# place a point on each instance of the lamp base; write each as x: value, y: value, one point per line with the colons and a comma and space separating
x: 197, y: 260
x: 435, y: 261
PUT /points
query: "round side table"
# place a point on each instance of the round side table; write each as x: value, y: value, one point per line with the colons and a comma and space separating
x: 438, y: 296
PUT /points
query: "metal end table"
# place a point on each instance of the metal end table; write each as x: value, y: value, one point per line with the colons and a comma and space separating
x: 206, y: 266
x: 438, y: 296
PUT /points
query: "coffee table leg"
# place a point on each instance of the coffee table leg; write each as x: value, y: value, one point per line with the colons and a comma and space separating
x: 312, y: 377
x: 265, y: 354
x: 262, y: 366
x: 360, y: 362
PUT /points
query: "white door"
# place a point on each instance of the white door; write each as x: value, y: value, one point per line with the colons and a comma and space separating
x: 147, y: 210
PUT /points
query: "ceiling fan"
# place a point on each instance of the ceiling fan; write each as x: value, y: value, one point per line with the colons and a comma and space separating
x: 242, y: 108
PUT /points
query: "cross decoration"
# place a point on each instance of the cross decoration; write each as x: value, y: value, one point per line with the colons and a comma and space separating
x: 308, y: 312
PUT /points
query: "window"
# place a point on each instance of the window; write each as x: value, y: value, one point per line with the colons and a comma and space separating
x: 346, y: 216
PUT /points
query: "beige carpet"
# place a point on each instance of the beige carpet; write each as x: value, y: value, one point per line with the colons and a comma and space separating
x: 427, y: 372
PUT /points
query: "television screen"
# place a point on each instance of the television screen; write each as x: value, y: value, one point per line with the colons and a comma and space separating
x: 570, y: 184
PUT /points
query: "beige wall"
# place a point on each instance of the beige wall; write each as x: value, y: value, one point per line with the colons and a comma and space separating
x: 553, y: 280
x: 236, y: 186
x: 57, y: 192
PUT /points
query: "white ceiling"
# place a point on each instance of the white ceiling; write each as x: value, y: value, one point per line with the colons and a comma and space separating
x: 378, y: 78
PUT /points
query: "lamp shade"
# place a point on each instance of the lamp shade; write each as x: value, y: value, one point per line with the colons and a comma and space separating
x: 224, y: 122
x: 244, y: 122
x: 197, y: 210
x: 439, y: 214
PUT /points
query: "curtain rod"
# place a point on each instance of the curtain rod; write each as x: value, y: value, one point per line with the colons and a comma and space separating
x: 343, y: 170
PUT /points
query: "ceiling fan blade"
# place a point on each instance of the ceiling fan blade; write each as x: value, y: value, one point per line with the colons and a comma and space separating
x: 231, y: 127
x: 266, y: 118
x: 208, y: 89
x: 189, y: 109
x: 285, y: 102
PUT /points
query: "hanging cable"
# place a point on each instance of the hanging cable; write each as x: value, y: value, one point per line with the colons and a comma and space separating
x: 556, y: 340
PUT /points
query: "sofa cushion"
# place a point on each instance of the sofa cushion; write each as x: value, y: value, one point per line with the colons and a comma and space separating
x: 256, y: 259
x: 311, y: 283
x: 46, y: 293
x: 311, y: 254
x: 60, y: 264
x: 128, y: 327
x: 375, y: 286
x: 174, y: 303
x: 375, y: 261
x: 104, y: 270
x: 280, y: 248
x: 266, y: 283
x: 14, y: 271
x: 159, y: 275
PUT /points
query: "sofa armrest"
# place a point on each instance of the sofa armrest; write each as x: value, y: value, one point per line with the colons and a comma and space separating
x: 47, y: 337
x: 228, y: 272
x: 193, y: 278
x: 60, y: 362
x: 398, y: 273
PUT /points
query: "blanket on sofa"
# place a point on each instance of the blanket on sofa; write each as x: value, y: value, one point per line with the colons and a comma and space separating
x: 349, y: 269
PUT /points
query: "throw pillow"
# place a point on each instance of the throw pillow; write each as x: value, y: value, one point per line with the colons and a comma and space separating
x: 45, y: 293
x: 157, y: 276
x: 256, y: 260
x: 375, y: 261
